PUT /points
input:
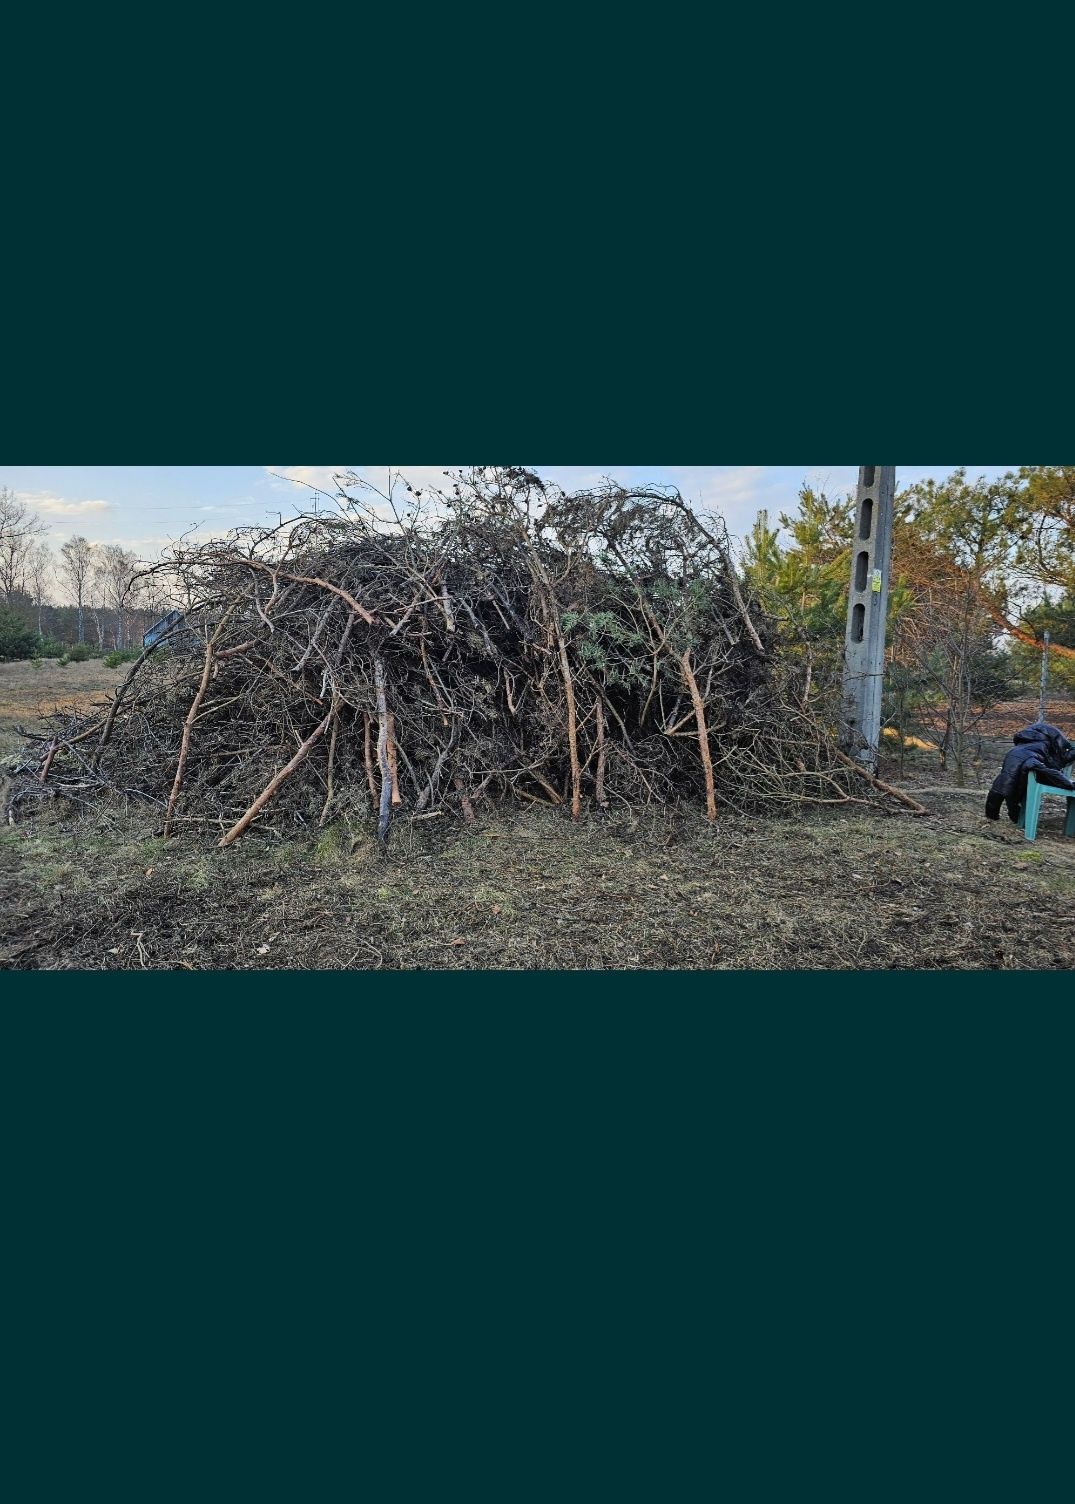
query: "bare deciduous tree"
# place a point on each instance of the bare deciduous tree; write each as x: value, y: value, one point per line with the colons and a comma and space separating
x: 19, y: 529
x: 39, y: 563
x: 114, y: 572
x: 76, y: 565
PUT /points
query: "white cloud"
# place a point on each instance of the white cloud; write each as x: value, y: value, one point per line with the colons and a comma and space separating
x: 734, y: 492
x: 58, y: 506
x: 741, y: 481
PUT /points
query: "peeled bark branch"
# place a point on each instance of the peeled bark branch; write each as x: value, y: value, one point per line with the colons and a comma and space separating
x: 367, y: 750
x: 306, y: 579
x: 885, y: 788
x: 703, y: 735
x: 188, y: 724
x: 266, y: 794
x: 572, y: 727
x: 53, y: 745
x: 1020, y: 633
x: 733, y: 582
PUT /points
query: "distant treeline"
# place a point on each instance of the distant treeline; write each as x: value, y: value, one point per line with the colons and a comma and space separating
x: 96, y: 594
x: 102, y: 627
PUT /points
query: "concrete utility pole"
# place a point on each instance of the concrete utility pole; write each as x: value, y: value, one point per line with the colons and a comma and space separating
x: 867, y: 610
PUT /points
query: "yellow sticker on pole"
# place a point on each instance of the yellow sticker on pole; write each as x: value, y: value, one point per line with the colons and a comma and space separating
x: 876, y: 582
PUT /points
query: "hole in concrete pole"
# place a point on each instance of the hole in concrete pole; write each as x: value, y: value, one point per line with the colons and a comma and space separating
x: 868, y: 473
x: 862, y: 566
x: 866, y: 517
x: 858, y: 622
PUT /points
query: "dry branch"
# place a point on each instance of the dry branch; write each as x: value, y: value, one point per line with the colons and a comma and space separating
x: 703, y: 735
x: 331, y: 765
x: 266, y: 794
x: 188, y: 724
x: 110, y: 719
x: 383, y: 761
x: 306, y: 579
x: 53, y: 745
x: 885, y: 788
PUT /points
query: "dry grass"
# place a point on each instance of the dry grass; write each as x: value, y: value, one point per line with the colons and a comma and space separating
x: 28, y: 691
x: 536, y: 891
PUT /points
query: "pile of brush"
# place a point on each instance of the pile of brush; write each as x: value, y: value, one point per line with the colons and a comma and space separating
x: 408, y: 655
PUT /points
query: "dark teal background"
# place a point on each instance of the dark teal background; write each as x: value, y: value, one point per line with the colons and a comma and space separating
x: 516, y: 1237
x: 745, y: 1237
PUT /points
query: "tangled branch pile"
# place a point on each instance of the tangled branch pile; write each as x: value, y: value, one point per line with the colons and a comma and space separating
x: 496, y: 639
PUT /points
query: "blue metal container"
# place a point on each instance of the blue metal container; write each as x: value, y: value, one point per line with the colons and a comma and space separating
x: 162, y: 628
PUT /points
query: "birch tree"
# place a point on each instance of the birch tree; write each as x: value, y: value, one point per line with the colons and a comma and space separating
x: 115, y: 569
x: 38, y: 577
x: 76, y: 568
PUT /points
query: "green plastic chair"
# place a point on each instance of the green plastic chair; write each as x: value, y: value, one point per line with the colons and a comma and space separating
x: 1029, y: 811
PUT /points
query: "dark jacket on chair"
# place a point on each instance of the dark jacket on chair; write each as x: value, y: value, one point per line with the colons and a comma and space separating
x: 1040, y: 749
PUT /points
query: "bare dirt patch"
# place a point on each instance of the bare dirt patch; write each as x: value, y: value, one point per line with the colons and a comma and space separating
x: 1004, y: 720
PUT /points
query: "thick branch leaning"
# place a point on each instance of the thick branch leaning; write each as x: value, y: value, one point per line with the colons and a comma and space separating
x: 266, y: 794
x: 305, y: 579
x: 703, y: 734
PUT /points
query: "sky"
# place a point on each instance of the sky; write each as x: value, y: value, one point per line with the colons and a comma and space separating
x: 144, y: 506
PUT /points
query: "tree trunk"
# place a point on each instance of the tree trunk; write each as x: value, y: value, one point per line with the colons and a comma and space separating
x: 599, y: 778
x: 703, y: 734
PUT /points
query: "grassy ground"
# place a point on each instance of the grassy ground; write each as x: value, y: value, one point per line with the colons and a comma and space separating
x: 28, y: 691
x: 529, y: 889
x: 534, y: 891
